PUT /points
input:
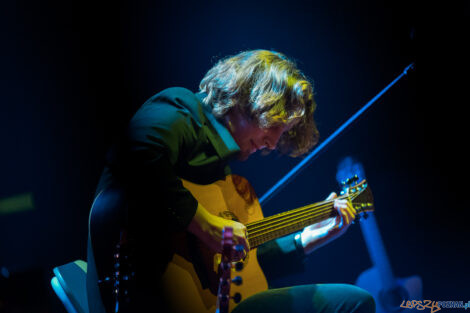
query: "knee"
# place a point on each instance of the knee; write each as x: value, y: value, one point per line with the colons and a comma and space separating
x: 366, y: 303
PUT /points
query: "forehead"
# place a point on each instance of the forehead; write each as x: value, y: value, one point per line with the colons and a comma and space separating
x: 276, y: 129
x: 281, y: 126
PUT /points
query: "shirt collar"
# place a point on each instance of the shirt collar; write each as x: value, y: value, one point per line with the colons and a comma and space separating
x: 224, y: 143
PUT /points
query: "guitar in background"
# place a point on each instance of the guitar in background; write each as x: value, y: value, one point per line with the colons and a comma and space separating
x: 379, y: 281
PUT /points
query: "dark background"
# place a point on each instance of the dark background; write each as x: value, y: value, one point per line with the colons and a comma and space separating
x: 73, y: 73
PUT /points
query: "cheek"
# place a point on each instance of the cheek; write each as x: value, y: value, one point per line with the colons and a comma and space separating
x: 242, y: 137
x: 246, y: 133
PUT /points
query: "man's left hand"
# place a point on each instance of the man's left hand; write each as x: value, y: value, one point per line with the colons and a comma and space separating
x: 319, y: 234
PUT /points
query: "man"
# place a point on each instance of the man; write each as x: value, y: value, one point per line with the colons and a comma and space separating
x: 256, y: 100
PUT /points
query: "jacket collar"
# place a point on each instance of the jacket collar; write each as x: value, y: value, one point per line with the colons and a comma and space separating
x: 222, y: 140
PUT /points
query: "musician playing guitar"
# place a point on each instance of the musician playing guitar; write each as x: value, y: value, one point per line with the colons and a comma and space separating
x: 179, y: 140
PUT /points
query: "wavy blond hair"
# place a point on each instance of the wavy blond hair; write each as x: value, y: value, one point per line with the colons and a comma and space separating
x: 269, y: 88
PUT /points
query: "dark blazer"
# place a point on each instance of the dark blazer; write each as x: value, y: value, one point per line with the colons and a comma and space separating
x: 174, y: 135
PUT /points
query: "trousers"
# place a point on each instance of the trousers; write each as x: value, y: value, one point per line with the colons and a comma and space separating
x: 313, y: 298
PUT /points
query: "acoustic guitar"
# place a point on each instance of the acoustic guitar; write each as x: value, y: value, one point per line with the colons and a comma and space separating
x: 191, y: 280
x: 234, y: 198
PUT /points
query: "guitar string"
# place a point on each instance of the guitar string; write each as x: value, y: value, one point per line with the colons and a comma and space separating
x: 256, y: 242
x: 261, y: 238
x: 269, y: 231
x: 326, y: 212
x: 294, y: 211
x: 264, y: 227
x: 299, y: 210
x: 275, y: 233
x: 292, y: 219
x: 291, y: 222
x: 266, y: 222
x: 303, y: 214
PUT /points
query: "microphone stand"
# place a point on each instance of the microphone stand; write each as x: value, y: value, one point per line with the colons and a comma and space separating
x: 296, y: 170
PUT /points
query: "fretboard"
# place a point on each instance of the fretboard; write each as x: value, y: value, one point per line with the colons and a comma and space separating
x: 286, y: 223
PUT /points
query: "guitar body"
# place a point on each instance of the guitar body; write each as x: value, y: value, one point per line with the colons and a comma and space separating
x: 410, y: 288
x: 232, y: 198
x: 192, y: 274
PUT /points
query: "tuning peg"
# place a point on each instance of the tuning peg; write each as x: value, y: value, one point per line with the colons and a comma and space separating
x: 355, y: 178
x: 237, y: 297
x: 237, y: 280
x: 238, y: 266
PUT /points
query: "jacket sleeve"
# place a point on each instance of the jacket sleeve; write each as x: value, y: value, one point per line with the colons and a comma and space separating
x: 159, y: 136
x: 281, y: 257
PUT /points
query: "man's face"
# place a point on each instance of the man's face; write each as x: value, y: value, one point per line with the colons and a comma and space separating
x: 250, y: 137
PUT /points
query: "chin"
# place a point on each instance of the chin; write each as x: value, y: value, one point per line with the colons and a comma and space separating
x: 243, y: 156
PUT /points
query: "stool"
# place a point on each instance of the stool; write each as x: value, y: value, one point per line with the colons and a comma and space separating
x: 69, y: 283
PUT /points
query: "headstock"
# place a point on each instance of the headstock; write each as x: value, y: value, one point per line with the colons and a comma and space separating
x: 360, y: 195
x: 225, y: 267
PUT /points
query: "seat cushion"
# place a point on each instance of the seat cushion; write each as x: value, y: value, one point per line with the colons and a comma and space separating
x: 72, y: 278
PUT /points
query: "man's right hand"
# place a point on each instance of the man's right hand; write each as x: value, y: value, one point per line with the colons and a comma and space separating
x: 208, y: 228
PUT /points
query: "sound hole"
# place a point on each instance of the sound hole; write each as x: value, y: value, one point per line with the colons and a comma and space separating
x: 229, y: 216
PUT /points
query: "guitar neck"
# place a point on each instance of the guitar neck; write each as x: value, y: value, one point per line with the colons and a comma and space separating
x: 289, y: 222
